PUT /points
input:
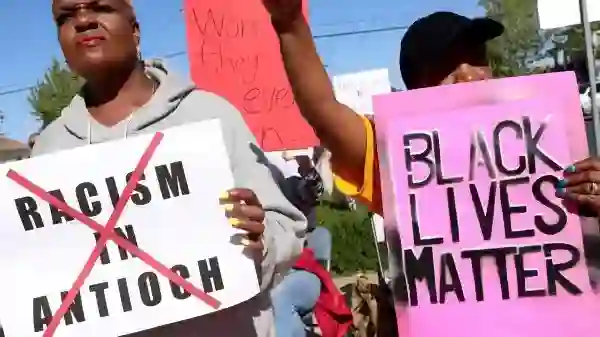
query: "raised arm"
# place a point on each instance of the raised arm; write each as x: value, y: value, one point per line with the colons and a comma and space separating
x: 340, y: 129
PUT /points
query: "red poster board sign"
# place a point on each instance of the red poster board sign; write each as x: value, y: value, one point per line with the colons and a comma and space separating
x: 234, y: 53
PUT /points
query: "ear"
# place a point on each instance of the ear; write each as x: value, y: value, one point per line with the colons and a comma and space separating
x: 136, y: 33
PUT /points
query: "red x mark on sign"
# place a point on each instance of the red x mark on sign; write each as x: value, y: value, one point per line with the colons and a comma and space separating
x: 108, y: 233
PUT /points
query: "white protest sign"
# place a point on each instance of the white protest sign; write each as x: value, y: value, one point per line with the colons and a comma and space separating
x: 562, y: 13
x: 356, y: 90
x: 173, y: 215
x: 379, y: 227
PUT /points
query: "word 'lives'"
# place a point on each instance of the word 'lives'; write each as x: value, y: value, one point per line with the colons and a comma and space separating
x: 422, y: 262
x: 93, y: 198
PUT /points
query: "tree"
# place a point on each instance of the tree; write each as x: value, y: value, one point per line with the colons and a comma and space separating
x: 353, y: 245
x: 570, y: 42
x: 521, y: 43
x: 51, y: 95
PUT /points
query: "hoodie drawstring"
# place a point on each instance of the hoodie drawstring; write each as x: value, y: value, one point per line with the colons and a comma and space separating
x: 125, y: 132
x: 129, y: 118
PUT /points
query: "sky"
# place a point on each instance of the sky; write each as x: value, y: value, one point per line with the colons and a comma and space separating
x: 29, y: 37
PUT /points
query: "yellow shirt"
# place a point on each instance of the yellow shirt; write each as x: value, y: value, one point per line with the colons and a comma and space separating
x: 367, y: 191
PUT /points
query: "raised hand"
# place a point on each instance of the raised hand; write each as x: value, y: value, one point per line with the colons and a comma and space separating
x: 284, y: 12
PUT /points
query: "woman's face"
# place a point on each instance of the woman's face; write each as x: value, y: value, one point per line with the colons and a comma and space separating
x: 96, y: 35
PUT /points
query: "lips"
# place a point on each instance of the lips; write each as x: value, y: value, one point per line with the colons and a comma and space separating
x: 90, y: 41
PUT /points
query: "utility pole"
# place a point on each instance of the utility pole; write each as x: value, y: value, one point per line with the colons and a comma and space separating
x: 591, y: 65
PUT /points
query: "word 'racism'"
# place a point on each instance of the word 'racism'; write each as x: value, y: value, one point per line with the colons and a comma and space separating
x: 125, y: 293
x: 420, y: 260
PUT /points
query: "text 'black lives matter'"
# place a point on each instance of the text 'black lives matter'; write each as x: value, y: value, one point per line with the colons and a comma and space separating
x: 420, y: 262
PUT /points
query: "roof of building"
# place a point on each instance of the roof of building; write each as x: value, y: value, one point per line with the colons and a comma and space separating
x: 7, y: 144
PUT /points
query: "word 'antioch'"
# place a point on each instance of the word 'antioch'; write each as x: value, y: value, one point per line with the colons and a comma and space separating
x: 148, y: 292
x: 420, y: 262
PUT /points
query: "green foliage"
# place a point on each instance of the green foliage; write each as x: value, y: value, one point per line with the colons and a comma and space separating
x: 521, y: 41
x: 51, y: 95
x: 571, y: 40
x: 353, y: 247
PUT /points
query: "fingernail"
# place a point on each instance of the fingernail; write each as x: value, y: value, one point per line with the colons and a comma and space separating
x: 570, y: 169
x: 245, y: 242
x: 234, y: 222
x: 228, y: 207
x: 224, y: 196
x: 561, y: 184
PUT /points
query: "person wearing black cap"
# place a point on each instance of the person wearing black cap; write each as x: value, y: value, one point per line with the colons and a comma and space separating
x: 446, y: 48
x: 441, y: 48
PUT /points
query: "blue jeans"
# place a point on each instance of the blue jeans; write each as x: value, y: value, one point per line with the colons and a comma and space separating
x: 299, y: 291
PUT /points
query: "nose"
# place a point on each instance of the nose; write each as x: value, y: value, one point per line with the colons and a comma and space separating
x: 85, y: 21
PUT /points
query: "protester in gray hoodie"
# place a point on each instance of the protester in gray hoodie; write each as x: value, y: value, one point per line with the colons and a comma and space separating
x: 123, y: 97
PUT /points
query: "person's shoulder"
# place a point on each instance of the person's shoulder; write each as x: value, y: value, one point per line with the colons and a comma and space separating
x: 202, y: 105
x: 47, y: 138
x: 208, y: 101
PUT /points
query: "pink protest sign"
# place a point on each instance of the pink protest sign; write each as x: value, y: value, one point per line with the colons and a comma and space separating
x: 487, y: 247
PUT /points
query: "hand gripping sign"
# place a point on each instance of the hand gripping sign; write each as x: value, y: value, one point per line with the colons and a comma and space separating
x: 89, y: 304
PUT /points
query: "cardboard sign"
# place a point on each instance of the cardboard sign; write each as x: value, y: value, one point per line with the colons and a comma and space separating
x: 357, y: 90
x: 487, y: 247
x: 234, y: 52
x: 556, y: 14
x: 172, y: 225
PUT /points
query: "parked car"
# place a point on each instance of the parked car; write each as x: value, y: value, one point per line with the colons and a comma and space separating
x: 585, y: 97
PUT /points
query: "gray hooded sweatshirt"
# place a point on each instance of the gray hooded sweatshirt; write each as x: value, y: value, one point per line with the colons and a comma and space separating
x: 178, y: 102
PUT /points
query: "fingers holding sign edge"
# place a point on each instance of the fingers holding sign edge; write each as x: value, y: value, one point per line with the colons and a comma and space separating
x: 245, y: 213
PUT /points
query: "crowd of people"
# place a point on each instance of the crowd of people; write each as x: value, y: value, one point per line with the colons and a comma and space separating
x: 276, y: 194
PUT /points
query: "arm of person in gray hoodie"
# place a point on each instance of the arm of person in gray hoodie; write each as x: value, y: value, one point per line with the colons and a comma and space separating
x: 285, y: 225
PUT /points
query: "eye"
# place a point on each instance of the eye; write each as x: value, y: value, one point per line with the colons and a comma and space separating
x: 102, y: 8
x: 62, y: 18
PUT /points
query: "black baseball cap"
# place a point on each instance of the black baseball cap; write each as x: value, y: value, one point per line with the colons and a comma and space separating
x: 428, y: 40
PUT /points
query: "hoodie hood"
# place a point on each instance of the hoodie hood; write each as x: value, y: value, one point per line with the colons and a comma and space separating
x: 171, y: 91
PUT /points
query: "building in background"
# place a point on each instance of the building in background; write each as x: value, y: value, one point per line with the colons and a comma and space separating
x: 12, y: 150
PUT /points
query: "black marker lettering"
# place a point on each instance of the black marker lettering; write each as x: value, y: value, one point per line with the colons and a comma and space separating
x: 484, y: 217
x: 478, y: 142
x: 58, y: 216
x: 522, y: 165
x: 508, y: 210
x: 437, y: 154
x: 100, y: 291
x: 212, y: 280
x: 523, y: 274
x: 28, y: 212
x: 419, y: 269
x: 554, y: 270
x: 533, y: 147
x: 541, y: 224
x: 149, y: 289
x: 422, y: 157
x: 173, y: 182
x: 448, y: 268
x: 418, y: 240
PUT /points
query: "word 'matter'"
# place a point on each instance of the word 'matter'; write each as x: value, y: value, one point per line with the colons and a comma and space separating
x: 92, y: 198
x: 439, y: 271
